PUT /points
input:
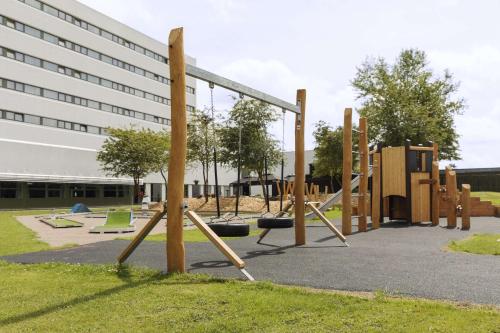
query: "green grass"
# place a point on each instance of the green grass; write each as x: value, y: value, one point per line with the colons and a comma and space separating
x: 16, y: 238
x: 190, y: 236
x: 478, y: 244
x: 94, y: 298
x: 494, y: 197
x: 331, y: 214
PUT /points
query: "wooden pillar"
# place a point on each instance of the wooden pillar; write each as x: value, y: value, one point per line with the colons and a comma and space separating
x: 435, y: 193
x: 176, y: 165
x: 347, y: 174
x: 376, y: 191
x: 466, y: 206
x: 451, y: 191
x: 435, y: 152
x: 299, y: 183
x: 363, y: 180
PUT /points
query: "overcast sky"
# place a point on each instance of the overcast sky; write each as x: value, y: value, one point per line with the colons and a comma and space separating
x: 279, y: 46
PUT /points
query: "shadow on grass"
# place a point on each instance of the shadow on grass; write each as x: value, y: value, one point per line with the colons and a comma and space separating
x: 123, y: 273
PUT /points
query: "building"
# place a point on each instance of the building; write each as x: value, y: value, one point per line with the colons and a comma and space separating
x: 67, y: 72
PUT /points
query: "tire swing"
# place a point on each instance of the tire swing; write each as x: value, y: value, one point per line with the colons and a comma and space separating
x: 276, y: 222
x: 225, y: 227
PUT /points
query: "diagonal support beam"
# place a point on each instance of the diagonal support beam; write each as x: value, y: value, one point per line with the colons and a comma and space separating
x: 326, y: 221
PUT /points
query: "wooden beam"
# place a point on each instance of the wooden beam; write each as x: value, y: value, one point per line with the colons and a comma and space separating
x: 376, y: 191
x: 451, y: 191
x: 278, y: 187
x: 141, y: 235
x: 300, y: 227
x: 435, y: 193
x: 216, y: 240
x: 435, y: 152
x: 421, y: 148
x: 363, y: 181
x: 466, y: 206
x: 326, y: 221
x: 347, y: 174
x: 176, y: 165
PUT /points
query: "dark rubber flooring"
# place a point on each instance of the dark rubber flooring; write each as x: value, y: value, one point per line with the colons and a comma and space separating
x: 396, y: 259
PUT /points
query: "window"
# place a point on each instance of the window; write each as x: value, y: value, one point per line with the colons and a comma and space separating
x: 19, y: 86
x: 77, y: 191
x: 120, y: 191
x: 107, y: 59
x: 8, y: 190
x: 106, y: 35
x: 10, y: 54
x: 80, y: 128
x: 19, y: 57
x: 32, y: 90
x: 106, y: 107
x: 93, y: 28
x: 19, y: 26
x: 50, y: 38
x: 93, y: 54
x: 36, y: 190
x: 106, y: 83
x: 93, y: 104
x: 93, y: 79
x: 110, y: 191
x: 32, y: 119
x: 50, y: 10
x: 139, y: 115
x: 32, y: 31
x: 14, y: 116
x: 93, y: 130
x: 50, y: 66
x: 91, y: 191
x: 49, y: 122
x: 50, y: 94
x: 54, y: 190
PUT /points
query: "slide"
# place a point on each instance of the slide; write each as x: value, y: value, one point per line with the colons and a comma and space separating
x: 336, y: 197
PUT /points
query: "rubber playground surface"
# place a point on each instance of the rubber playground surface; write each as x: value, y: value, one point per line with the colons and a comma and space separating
x: 397, y: 259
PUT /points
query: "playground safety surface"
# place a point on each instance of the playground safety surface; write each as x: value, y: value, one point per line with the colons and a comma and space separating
x: 397, y: 259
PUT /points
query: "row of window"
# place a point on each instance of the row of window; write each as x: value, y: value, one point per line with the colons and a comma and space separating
x: 50, y: 122
x: 89, y: 27
x: 67, y: 98
x: 34, y: 61
x: 83, y: 50
x: 11, y: 190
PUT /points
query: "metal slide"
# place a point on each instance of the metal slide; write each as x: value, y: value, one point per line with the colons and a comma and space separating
x: 336, y: 197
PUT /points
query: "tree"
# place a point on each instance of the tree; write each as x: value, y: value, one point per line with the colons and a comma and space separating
x: 257, y: 145
x: 407, y: 101
x: 200, y: 142
x: 328, y: 152
x: 134, y: 153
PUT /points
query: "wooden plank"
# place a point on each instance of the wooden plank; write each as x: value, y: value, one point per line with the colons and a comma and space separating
x: 300, y: 177
x: 451, y: 191
x: 326, y: 221
x: 375, y: 211
x: 176, y: 165
x: 158, y: 215
x: 466, y: 206
x: 435, y: 193
x: 363, y: 181
x: 393, y: 172
x: 347, y: 174
x: 420, y: 198
x: 216, y: 240
x: 435, y: 152
x: 426, y: 181
x: 421, y: 148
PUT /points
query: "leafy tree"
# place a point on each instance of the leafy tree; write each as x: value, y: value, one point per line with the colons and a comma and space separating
x: 407, y: 101
x: 328, y: 151
x: 252, y: 117
x: 200, y: 143
x: 135, y: 153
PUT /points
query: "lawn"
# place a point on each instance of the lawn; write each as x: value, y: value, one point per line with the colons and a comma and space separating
x: 95, y: 298
x: 331, y: 214
x: 494, y: 197
x: 192, y: 235
x: 478, y: 244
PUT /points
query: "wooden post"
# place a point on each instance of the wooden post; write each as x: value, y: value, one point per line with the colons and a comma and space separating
x: 435, y: 152
x: 451, y: 191
x: 300, y: 227
x: 466, y: 206
x: 363, y: 180
x: 316, y: 193
x: 176, y: 165
x: 347, y: 174
x: 376, y: 191
x: 435, y: 193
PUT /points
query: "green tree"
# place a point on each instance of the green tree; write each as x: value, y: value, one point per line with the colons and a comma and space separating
x: 257, y: 144
x: 135, y: 153
x: 328, y: 151
x: 407, y: 101
x: 200, y: 143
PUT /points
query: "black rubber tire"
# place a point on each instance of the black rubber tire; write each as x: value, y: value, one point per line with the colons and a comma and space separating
x: 230, y: 229
x: 275, y: 223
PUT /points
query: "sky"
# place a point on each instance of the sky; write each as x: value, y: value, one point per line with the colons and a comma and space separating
x: 282, y: 45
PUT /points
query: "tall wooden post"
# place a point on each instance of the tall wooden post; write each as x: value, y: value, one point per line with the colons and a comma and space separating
x: 300, y: 177
x: 451, y: 191
x: 435, y: 193
x: 347, y: 174
x: 176, y: 165
x: 363, y: 179
x: 466, y: 206
x: 376, y: 191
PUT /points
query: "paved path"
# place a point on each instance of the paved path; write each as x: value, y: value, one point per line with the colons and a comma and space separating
x: 396, y: 258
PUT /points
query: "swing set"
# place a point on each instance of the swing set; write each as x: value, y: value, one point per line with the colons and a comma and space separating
x: 175, y: 208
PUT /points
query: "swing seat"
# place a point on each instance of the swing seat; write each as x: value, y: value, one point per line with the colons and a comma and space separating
x: 230, y: 229
x: 275, y: 223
